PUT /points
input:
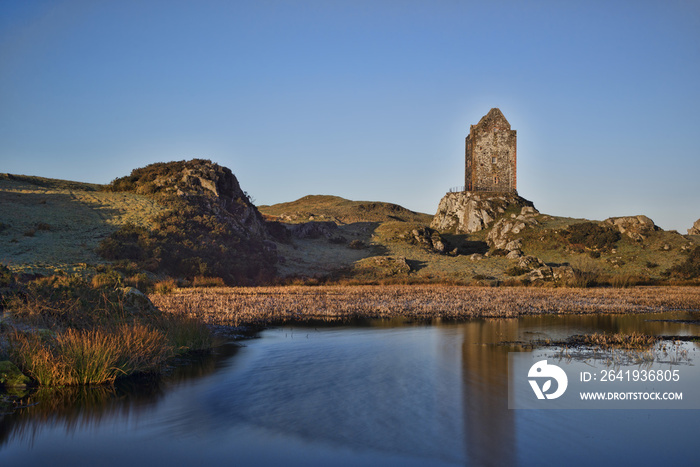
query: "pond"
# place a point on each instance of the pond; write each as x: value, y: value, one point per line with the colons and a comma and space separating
x: 379, y: 393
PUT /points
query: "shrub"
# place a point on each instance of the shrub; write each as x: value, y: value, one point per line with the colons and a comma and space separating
x: 690, y: 268
x: 591, y: 235
x: 165, y: 286
x: 205, y: 281
x: 140, y: 280
x: 107, y: 279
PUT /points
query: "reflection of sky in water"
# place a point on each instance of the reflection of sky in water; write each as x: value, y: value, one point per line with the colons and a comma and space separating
x: 373, y: 395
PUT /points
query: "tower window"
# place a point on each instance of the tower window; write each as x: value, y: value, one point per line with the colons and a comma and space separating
x: 495, y: 179
x: 494, y: 159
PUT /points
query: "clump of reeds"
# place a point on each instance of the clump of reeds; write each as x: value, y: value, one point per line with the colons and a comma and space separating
x: 99, y: 332
x: 82, y: 357
x: 632, y: 341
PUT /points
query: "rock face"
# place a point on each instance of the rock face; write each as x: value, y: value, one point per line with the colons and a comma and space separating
x: 635, y: 227
x: 695, y: 230
x: 503, y: 236
x: 467, y: 212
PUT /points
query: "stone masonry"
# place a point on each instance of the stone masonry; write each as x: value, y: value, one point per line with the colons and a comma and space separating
x: 490, y: 155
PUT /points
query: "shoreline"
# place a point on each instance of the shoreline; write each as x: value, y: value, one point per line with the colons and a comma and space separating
x: 267, y: 306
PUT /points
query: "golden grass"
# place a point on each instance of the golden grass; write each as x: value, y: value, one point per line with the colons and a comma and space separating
x: 95, y: 356
x: 273, y: 305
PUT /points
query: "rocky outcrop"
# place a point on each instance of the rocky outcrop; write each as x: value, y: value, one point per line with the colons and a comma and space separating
x: 695, y: 230
x: 429, y: 238
x: 503, y: 235
x: 635, y: 227
x: 210, y: 226
x: 209, y: 186
x: 467, y: 212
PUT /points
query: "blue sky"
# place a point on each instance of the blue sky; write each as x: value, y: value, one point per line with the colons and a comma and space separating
x: 369, y: 100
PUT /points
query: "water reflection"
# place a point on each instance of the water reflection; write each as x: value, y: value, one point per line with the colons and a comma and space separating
x: 378, y: 394
x: 75, y: 409
x: 490, y: 437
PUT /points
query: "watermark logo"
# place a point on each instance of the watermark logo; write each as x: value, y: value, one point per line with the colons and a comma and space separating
x: 542, y: 370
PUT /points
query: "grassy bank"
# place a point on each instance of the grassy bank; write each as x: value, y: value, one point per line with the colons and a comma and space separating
x: 63, y: 330
x: 298, y: 304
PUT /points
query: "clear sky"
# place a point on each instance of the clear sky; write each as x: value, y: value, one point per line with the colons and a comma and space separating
x: 368, y: 100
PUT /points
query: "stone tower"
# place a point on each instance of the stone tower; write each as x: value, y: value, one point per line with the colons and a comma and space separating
x: 490, y: 155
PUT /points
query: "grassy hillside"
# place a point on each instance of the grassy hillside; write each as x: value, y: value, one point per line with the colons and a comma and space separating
x: 391, y: 250
x: 340, y: 211
x: 47, y: 224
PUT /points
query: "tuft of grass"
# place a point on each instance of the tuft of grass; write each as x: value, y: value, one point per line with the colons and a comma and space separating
x: 92, y: 356
x: 207, y: 281
x: 635, y: 340
x: 91, y: 332
x: 165, y: 286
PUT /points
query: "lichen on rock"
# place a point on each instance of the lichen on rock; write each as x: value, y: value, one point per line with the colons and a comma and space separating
x: 468, y: 212
x: 635, y: 227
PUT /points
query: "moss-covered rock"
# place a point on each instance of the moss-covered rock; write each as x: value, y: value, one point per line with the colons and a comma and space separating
x: 11, y: 376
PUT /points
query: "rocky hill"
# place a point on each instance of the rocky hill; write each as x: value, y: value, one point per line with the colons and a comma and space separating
x: 191, y: 219
x: 210, y: 227
x: 340, y: 210
x: 695, y: 229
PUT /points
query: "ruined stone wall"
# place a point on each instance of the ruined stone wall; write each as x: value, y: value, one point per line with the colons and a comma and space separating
x: 490, y: 155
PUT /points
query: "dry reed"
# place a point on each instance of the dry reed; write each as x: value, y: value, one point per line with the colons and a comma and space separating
x: 273, y: 305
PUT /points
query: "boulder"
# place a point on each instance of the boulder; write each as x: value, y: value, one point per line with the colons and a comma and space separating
x: 430, y: 239
x: 516, y: 244
x: 467, y: 212
x: 531, y: 262
x: 695, y: 229
x: 11, y: 376
x: 542, y: 273
x: 514, y: 254
x: 635, y: 227
x: 136, y: 302
x: 562, y: 272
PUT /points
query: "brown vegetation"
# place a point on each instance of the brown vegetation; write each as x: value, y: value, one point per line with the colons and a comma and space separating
x: 67, y: 330
x: 273, y: 305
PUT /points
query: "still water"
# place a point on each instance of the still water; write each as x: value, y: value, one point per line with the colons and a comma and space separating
x: 374, y: 394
